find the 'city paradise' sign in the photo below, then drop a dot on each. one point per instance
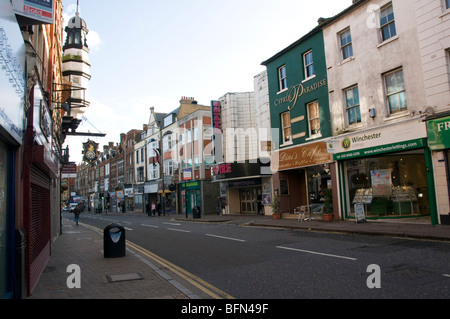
(297, 91)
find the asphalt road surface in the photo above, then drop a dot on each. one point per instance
(265, 263)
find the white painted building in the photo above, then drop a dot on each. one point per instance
(377, 105)
(433, 26)
(244, 174)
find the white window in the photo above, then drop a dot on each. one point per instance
(395, 91)
(308, 62)
(313, 118)
(168, 167)
(282, 78)
(345, 40)
(196, 161)
(167, 142)
(387, 23)
(189, 136)
(153, 171)
(195, 133)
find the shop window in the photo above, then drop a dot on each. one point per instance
(282, 78)
(387, 23)
(352, 105)
(313, 118)
(346, 44)
(308, 63)
(390, 186)
(286, 127)
(319, 179)
(395, 91)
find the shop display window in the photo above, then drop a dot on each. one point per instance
(388, 186)
(319, 179)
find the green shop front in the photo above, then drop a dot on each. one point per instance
(387, 171)
(439, 143)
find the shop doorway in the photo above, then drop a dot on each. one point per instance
(193, 198)
(249, 200)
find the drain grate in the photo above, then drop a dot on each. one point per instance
(124, 277)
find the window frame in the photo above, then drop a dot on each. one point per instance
(286, 126)
(388, 94)
(342, 47)
(307, 65)
(282, 79)
(382, 27)
(310, 119)
(353, 106)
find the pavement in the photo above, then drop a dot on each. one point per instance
(141, 275)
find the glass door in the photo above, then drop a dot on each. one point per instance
(249, 203)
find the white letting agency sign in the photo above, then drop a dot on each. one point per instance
(390, 138)
(12, 73)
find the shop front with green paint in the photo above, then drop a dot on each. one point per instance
(439, 144)
(387, 170)
(191, 196)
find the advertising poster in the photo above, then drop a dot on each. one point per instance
(381, 182)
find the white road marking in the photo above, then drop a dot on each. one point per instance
(173, 224)
(153, 226)
(229, 238)
(180, 230)
(446, 275)
(316, 253)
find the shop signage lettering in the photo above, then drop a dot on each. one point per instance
(297, 91)
(38, 10)
(383, 137)
(395, 147)
(221, 169)
(301, 156)
(216, 116)
(439, 133)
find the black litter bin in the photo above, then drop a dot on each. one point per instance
(114, 241)
(196, 212)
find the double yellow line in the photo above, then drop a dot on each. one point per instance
(207, 288)
(204, 286)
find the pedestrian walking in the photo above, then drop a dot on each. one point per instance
(148, 209)
(153, 208)
(77, 212)
(158, 208)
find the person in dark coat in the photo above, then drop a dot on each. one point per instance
(77, 212)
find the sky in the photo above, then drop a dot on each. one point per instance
(151, 53)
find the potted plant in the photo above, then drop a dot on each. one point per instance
(276, 207)
(328, 215)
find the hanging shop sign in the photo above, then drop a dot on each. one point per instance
(90, 152)
(39, 11)
(12, 73)
(439, 133)
(301, 156)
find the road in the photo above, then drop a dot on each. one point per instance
(265, 263)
